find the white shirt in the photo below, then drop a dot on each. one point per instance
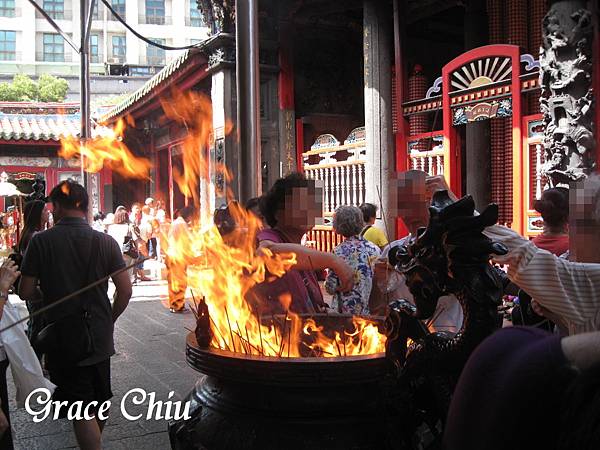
(568, 289)
(448, 315)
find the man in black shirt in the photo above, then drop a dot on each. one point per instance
(63, 259)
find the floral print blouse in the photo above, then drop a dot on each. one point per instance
(359, 254)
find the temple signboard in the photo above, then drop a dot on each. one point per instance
(482, 111)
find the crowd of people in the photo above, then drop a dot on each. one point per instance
(547, 377)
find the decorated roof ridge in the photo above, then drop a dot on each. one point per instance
(42, 104)
(42, 127)
(161, 77)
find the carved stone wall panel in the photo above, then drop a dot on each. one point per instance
(567, 99)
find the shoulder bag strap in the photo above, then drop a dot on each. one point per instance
(364, 230)
(90, 276)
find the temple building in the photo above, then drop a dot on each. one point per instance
(497, 95)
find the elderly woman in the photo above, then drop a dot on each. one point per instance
(290, 208)
(358, 253)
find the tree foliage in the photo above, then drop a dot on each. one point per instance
(47, 88)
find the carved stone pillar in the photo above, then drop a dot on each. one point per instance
(220, 14)
(380, 167)
(567, 97)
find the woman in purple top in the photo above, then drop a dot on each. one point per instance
(291, 208)
(523, 389)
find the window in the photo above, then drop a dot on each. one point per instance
(55, 8)
(119, 7)
(7, 8)
(118, 48)
(54, 47)
(8, 40)
(195, 17)
(96, 13)
(155, 12)
(155, 56)
(94, 55)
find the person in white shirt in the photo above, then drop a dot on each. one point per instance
(8, 275)
(567, 292)
(413, 201)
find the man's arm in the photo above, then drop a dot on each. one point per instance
(28, 288)
(568, 289)
(123, 294)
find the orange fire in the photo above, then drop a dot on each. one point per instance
(108, 150)
(223, 270)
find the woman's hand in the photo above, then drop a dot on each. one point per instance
(8, 274)
(344, 272)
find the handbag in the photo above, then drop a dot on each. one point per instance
(24, 364)
(129, 246)
(68, 339)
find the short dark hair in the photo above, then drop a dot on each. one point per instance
(69, 195)
(274, 200)
(554, 206)
(121, 217)
(369, 211)
(186, 212)
(252, 203)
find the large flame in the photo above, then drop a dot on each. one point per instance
(107, 149)
(223, 269)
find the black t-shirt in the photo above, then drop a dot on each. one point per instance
(59, 258)
(509, 393)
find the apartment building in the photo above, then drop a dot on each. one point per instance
(29, 44)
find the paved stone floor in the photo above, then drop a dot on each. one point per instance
(150, 345)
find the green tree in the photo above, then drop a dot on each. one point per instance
(23, 89)
(52, 89)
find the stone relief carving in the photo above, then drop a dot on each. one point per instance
(220, 14)
(567, 100)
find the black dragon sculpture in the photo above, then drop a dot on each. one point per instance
(450, 256)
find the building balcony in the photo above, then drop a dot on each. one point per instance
(155, 20)
(97, 59)
(193, 22)
(7, 57)
(152, 60)
(54, 57)
(116, 59)
(56, 15)
(10, 12)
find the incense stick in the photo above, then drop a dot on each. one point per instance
(71, 295)
(219, 331)
(289, 339)
(239, 333)
(262, 348)
(283, 334)
(230, 330)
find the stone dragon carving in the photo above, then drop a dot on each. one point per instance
(567, 100)
(451, 256)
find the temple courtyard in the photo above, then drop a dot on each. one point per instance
(150, 345)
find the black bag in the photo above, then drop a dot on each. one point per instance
(68, 339)
(129, 246)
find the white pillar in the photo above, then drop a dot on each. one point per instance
(133, 44)
(379, 169)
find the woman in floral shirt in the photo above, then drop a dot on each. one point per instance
(359, 254)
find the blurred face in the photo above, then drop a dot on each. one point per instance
(45, 216)
(584, 223)
(413, 198)
(302, 207)
(135, 209)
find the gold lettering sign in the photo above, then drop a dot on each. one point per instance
(481, 111)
